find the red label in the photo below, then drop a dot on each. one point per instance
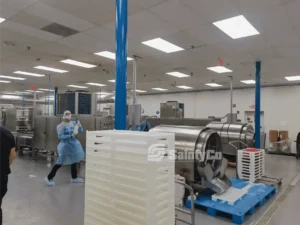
(33, 88)
(252, 106)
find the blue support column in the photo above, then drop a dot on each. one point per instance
(121, 65)
(257, 105)
(55, 100)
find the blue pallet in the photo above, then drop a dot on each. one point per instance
(256, 197)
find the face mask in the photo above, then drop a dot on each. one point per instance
(68, 117)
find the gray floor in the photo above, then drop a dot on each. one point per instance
(30, 202)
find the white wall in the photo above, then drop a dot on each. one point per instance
(280, 104)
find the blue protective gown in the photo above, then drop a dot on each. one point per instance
(69, 149)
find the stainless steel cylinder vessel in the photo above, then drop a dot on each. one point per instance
(191, 147)
(234, 134)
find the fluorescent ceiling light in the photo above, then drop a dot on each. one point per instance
(42, 89)
(293, 78)
(184, 87)
(76, 86)
(110, 55)
(51, 69)
(30, 74)
(2, 20)
(248, 81)
(12, 78)
(178, 74)
(162, 45)
(159, 89)
(10, 97)
(140, 91)
(236, 27)
(77, 63)
(219, 69)
(214, 85)
(5, 81)
(96, 84)
(114, 81)
(103, 93)
(33, 91)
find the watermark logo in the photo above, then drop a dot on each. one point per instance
(158, 152)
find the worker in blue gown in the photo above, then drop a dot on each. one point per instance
(70, 151)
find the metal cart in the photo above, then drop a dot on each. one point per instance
(185, 211)
(24, 143)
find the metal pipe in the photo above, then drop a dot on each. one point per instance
(231, 97)
(134, 92)
(55, 100)
(257, 105)
(49, 96)
(121, 64)
(34, 108)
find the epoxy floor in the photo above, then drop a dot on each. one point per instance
(30, 202)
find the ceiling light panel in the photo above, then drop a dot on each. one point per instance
(10, 97)
(178, 74)
(114, 81)
(96, 84)
(30, 74)
(42, 89)
(51, 69)
(248, 81)
(162, 45)
(76, 86)
(159, 89)
(2, 20)
(12, 78)
(140, 91)
(236, 27)
(5, 81)
(219, 69)
(31, 91)
(77, 63)
(293, 78)
(213, 85)
(184, 87)
(110, 55)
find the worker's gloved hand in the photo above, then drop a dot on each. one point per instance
(75, 133)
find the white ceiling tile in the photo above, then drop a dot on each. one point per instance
(58, 16)
(30, 20)
(30, 31)
(145, 3)
(212, 10)
(184, 40)
(290, 50)
(19, 4)
(178, 14)
(292, 10)
(7, 11)
(266, 53)
(253, 5)
(19, 38)
(269, 20)
(99, 11)
(285, 36)
(85, 43)
(152, 21)
(104, 34)
(208, 34)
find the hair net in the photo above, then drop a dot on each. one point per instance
(66, 112)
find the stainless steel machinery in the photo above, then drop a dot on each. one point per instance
(171, 109)
(199, 157)
(180, 121)
(233, 134)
